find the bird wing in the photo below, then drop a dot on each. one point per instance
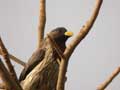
(35, 59)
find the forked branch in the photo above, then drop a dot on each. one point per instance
(10, 84)
(84, 30)
(7, 60)
(69, 50)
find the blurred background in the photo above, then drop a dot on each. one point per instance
(95, 57)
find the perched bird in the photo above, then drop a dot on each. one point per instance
(59, 35)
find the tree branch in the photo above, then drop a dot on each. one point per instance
(15, 59)
(84, 30)
(34, 76)
(7, 60)
(109, 79)
(10, 84)
(69, 50)
(42, 21)
(61, 75)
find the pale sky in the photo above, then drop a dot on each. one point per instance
(92, 61)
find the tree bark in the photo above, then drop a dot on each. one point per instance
(42, 21)
(10, 84)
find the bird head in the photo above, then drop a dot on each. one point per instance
(60, 35)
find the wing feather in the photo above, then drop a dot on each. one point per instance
(35, 59)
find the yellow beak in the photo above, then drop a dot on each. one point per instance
(68, 33)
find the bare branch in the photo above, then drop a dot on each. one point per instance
(42, 21)
(34, 76)
(61, 75)
(17, 60)
(10, 84)
(109, 79)
(7, 60)
(84, 31)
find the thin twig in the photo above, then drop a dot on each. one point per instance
(7, 60)
(17, 60)
(109, 79)
(42, 21)
(84, 31)
(10, 84)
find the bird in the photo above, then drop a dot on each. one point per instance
(60, 36)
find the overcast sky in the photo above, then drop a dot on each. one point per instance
(92, 61)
